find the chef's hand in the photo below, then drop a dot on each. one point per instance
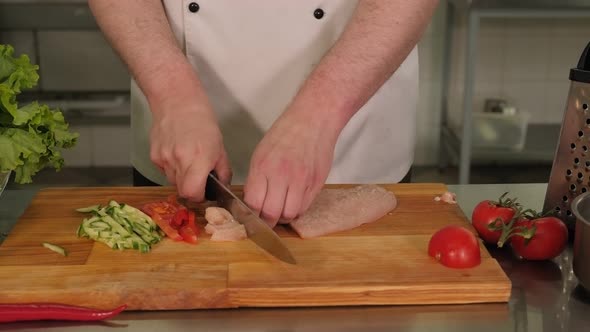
(289, 167)
(186, 144)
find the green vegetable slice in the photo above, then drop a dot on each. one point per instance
(31, 136)
(119, 226)
(91, 208)
(55, 248)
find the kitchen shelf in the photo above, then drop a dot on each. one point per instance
(539, 148)
(459, 145)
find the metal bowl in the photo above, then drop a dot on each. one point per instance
(4, 181)
(580, 207)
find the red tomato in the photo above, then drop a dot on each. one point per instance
(455, 246)
(549, 238)
(488, 213)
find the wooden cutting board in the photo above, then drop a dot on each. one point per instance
(385, 262)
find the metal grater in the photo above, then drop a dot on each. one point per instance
(570, 172)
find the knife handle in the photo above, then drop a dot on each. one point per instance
(210, 193)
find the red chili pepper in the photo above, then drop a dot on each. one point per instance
(53, 311)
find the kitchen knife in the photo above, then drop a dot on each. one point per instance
(258, 231)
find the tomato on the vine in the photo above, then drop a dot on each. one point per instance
(539, 238)
(488, 217)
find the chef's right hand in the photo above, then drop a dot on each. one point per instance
(186, 144)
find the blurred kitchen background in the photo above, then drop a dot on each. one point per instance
(504, 64)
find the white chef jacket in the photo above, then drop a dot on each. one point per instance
(252, 56)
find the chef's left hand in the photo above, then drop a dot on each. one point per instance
(289, 166)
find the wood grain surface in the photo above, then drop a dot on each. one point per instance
(382, 263)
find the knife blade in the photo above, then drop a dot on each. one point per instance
(258, 231)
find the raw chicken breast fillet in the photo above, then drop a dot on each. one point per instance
(336, 210)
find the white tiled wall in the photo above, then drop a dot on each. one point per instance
(524, 61)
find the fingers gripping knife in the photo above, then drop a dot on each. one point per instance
(570, 173)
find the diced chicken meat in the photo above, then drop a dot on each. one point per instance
(230, 234)
(222, 226)
(336, 210)
(447, 197)
(217, 215)
(212, 228)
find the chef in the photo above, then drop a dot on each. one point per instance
(281, 96)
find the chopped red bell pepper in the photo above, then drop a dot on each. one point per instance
(172, 199)
(166, 227)
(188, 235)
(191, 222)
(180, 218)
(174, 219)
(164, 209)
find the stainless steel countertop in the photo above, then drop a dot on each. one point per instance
(545, 295)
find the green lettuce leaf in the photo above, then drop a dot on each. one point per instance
(18, 73)
(7, 65)
(31, 136)
(22, 151)
(7, 100)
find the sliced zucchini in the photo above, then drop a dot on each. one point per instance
(90, 208)
(115, 225)
(125, 223)
(55, 248)
(144, 248)
(81, 232)
(90, 231)
(101, 225)
(138, 214)
(93, 219)
(120, 226)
